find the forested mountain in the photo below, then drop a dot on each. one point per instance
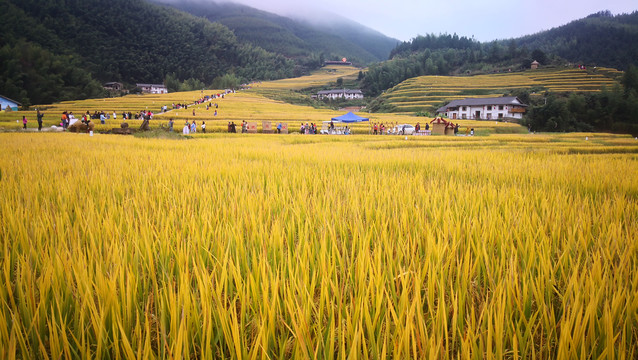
(598, 40)
(309, 43)
(52, 50)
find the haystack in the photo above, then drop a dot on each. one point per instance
(438, 125)
(79, 126)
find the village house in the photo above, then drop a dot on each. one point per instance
(153, 88)
(484, 108)
(7, 104)
(342, 62)
(113, 86)
(341, 93)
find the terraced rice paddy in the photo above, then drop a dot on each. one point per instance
(249, 105)
(264, 247)
(426, 93)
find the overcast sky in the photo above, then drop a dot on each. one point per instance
(486, 20)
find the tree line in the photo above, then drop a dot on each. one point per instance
(612, 109)
(598, 40)
(55, 50)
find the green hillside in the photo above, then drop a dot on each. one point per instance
(600, 40)
(53, 50)
(304, 41)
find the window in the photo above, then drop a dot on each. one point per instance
(463, 108)
(500, 107)
(489, 107)
(500, 115)
(463, 116)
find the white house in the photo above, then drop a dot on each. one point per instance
(342, 93)
(484, 108)
(6, 103)
(153, 88)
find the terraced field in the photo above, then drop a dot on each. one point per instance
(250, 105)
(319, 77)
(426, 93)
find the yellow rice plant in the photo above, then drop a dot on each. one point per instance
(262, 247)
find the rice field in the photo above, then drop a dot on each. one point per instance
(279, 247)
(248, 105)
(425, 93)
(236, 107)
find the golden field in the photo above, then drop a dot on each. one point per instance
(252, 104)
(243, 105)
(278, 247)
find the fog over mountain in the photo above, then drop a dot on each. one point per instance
(485, 20)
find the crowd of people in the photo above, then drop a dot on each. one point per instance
(68, 118)
(308, 129)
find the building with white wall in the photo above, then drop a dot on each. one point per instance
(153, 88)
(341, 93)
(484, 108)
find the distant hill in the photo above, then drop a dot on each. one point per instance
(330, 39)
(599, 40)
(52, 50)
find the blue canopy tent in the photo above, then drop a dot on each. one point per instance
(349, 118)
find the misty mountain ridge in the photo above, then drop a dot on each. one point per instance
(325, 35)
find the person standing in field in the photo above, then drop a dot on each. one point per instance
(186, 129)
(279, 128)
(102, 118)
(204, 127)
(24, 122)
(193, 127)
(40, 116)
(170, 124)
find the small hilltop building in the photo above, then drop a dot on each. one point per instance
(113, 86)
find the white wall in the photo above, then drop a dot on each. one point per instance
(485, 114)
